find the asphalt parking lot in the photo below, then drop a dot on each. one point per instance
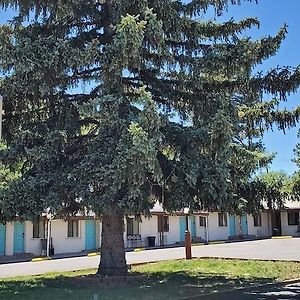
(271, 249)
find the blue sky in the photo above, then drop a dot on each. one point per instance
(272, 14)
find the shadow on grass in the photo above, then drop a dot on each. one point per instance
(159, 285)
(206, 280)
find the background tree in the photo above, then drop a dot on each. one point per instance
(113, 146)
(267, 191)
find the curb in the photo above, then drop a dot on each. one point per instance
(216, 258)
(37, 259)
(93, 254)
(139, 249)
(262, 285)
(246, 259)
(216, 242)
(281, 237)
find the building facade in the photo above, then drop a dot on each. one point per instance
(81, 233)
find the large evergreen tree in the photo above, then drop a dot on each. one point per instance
(296, 176)
(91, 89)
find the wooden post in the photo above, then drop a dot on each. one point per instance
(188, 241)
(188, 245)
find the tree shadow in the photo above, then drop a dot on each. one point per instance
(181, 284)
(159, 285)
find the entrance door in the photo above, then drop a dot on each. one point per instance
(276, 224)
(90, 234)
(18, 237)
(193, 226)
(232, 225)
(182, 227)
(2, 239)
(244, 225)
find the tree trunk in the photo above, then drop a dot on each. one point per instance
(112, 259)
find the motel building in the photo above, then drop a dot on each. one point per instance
(83, 233)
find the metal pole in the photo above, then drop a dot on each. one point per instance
(48, 238)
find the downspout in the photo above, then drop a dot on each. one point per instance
(48, 235)
(206, 225)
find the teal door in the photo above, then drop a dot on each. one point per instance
(90, 234)
(182, 228)
(244, 225)
(193, 226)
(18, 237)
(2, 239)
(232, 227)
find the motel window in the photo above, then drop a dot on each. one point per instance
(293, 218)
(163, 223)
(222, 219)
(202, 221)
(133, 226)
(38, 231)
(257, 220)
(73, 228)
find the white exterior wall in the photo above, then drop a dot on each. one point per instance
(173, 236)
(149, 227)
(9, 244)
(64, 244)
(200, 230)
(98, 233)
(260, 231)
(32, 245)
(217, 232)
(285, 227)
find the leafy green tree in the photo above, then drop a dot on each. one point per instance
(91, 89)
(269, 191)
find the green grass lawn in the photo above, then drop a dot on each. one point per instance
(167, 280)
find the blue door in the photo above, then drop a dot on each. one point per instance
(90, 234)
(244, 225)
(18, 237)
(232, 226)
(193, 226)
(2, 239)
(182, 227)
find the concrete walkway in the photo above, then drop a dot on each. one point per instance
(281, 249)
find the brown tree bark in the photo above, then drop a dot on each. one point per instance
(112, 259)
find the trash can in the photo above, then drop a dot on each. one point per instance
(151, 241)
